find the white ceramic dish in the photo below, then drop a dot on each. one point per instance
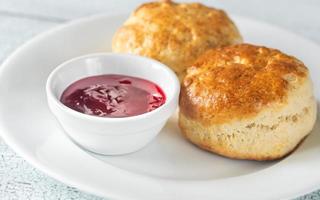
(169, 167)
(111, 136)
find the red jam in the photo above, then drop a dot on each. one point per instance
(113, 96)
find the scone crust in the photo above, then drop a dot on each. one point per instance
(247, 102)
(237, 82)
(175, 33)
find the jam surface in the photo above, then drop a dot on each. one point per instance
(113, 95)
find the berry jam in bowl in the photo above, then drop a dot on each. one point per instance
(112, 104)
(112, 95)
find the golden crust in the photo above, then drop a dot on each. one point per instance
(175, 34)
(238, 81)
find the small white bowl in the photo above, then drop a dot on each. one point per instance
(112, 136)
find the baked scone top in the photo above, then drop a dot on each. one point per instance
(175, 33)
(238, 81)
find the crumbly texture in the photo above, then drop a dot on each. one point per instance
(247, 102)
(175, 33)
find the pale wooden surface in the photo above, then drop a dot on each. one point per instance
(20, 20)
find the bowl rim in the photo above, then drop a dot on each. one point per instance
(169, 101)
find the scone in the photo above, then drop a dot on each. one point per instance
(175, 33)
(247, 102)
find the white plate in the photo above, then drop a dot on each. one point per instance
(168, 168)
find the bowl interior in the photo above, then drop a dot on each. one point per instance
(98, 64)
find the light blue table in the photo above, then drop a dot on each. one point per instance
(22, 19)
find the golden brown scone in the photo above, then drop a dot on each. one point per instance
(175, 33)
(247, 102)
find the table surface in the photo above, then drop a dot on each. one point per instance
(20, 20)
